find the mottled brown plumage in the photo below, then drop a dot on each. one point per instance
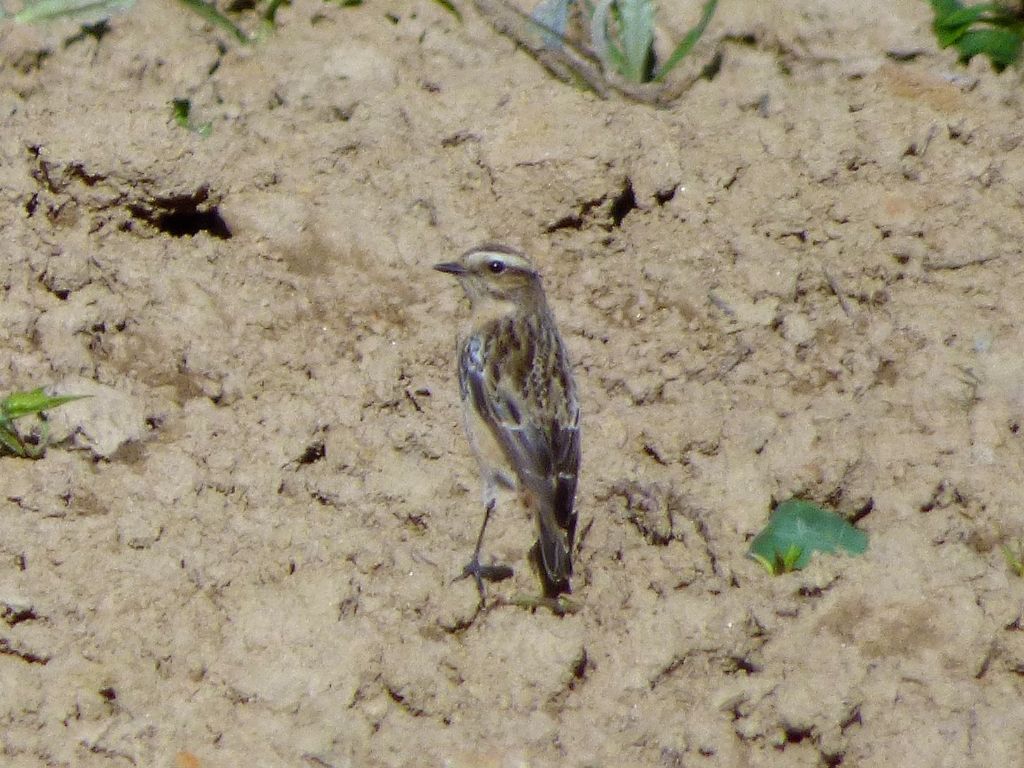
(519, 403)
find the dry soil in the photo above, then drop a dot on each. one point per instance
(803, 277)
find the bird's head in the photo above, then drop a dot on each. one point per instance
(496, 273)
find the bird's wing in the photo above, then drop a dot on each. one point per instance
(545, 456)
(525, 443)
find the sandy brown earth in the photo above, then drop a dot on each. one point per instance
(801, 278)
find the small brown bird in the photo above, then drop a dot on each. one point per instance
(519, 406)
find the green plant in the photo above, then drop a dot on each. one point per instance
(94, 11)
(797, 529)
(448, 5)
(1015, 557)
(988, 29)
(621, 34)
(782, 562)
(209, 12)
(18, 405)
(181, 112)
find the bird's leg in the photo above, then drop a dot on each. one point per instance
(480, 572)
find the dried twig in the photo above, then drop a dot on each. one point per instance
(838, 291)
(970, 261)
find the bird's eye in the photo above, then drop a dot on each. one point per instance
(496, 267)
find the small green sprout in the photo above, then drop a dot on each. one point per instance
(18, 405)
(782, 562)
(448, 5)
(621, 34)
(988, 29)
(1015, 557)
(209, 12)
(796, 529)
(181, 112)
(270, 14)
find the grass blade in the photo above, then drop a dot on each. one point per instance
(19, 404)
(449, 6)
(553, 15)
(81, 10)
(1015, 559)
(218, 19)
(687, 43)
(636, 36)
(11, 443)
(600, 39)
(270, 14)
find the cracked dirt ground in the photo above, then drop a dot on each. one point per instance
(804, 278)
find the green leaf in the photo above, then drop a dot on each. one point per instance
(943, 8)
(988, 29)
(796, 530)
(1002, 46)
(10, 442)
(553, 16)
(81, 10)
(964, 17)
(948, 37)
(688, 41)
(636, 37)
(19, 404)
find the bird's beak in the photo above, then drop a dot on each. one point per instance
(451, 267)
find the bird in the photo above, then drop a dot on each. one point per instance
(520, 408)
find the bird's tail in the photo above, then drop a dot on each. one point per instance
(554, 555)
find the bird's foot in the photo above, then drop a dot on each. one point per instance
(481, 573)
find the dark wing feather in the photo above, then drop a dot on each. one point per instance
(556, 545)
(567, 466)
